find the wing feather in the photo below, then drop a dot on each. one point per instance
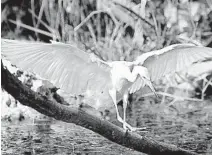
(175, 59)
(66, 66)
(138, 84)
(169, 60)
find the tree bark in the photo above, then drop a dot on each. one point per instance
(85, 117)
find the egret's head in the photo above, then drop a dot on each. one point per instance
(147, 80)
(150, 85)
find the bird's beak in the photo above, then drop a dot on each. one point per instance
(149, 83)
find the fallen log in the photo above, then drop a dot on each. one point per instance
(86, 117)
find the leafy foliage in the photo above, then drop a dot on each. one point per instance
(115, 30)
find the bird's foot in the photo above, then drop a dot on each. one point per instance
(128, 127)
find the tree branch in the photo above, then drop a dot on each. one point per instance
(85, 117)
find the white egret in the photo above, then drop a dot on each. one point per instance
(100, 83)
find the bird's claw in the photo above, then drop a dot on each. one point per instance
(128, 127)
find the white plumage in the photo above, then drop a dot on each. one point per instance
(101, 83)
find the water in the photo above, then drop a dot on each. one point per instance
(190, 128)
(58, 138)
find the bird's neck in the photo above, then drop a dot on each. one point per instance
(139, 70)
(134, 73)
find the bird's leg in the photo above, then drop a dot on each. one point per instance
(126, 126)
(112, 93)
(125, 101)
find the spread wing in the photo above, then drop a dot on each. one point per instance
(168, 60)
(66, 66)
(173, 58)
